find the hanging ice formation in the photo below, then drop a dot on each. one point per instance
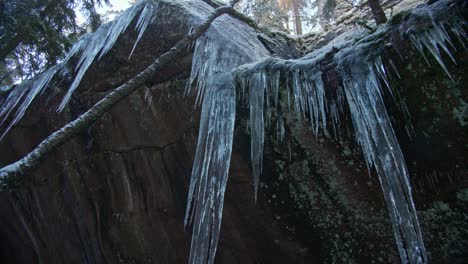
(226, 45)
(362, 72)
(229, 52)
(88, 49)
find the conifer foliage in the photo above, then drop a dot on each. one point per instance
(35, 34)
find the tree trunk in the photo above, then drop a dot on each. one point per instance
(297, 18)
(377, 12)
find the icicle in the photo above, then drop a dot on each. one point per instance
(101, 41)
(457, 29)
(431, 44)
(394, 68)
(256, 100)
(375, 135)
(274, 84)
(89, 46)
(225, 46)
(435, 38)
(143, 22)
(211, 168)
(321, 103)
(299, 97)
(309, 98)
(382, 72)
(22, 96)
(280, 130)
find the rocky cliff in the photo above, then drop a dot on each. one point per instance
(117, 192)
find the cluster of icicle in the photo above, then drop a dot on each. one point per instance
(362, 74)
(226, 45)
(221, 58)
(88, 49)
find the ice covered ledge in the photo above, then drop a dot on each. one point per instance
(364, 66)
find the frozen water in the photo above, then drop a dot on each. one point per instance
(226, 45)
(229, 52)
(101, 41)
(362, 72)
(258, 85)
(89, 48)
(211, 168)
(22, 96)
(375, 135)
(143, 22)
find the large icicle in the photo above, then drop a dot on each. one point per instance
(211, 168)
(258, 84)
(226, 45)
(375, 135)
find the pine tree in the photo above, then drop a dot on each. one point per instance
(377, 12)
(295, 6)
(267, 13)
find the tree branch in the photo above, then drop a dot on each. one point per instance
(10, 173)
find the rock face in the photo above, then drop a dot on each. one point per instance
(117, 193)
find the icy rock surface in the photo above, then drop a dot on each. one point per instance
(362, 73)
(230, 53)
